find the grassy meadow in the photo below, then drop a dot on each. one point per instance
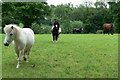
(74, 56)
(0, 56)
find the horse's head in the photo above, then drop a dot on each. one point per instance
(82, 28)
(9, 31)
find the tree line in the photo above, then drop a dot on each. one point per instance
(39, 16)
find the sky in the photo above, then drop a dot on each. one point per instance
(74, 2)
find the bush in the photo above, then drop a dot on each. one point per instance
(41, 29)
(68, 26)
(76, 24)
(21, 25)
(7, 20)
(36, 28)
(117, 25)
(89, 28)
(45, 29)
(99, 32)
(0, 30)
(65, 27)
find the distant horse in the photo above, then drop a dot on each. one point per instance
(77, 30)
(108, 28)
(23, 40)
(56, 30)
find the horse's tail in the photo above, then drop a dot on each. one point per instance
(112, 27)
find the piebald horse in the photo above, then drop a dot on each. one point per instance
(56, 30)
(23, 39)
(77, 30)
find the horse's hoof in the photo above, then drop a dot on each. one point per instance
(33, 65)
(17, 66)
(25, 59)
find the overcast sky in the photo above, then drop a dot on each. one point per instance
(74, 2)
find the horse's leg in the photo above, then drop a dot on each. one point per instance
(112, 32)
(108, 32)
(19, 59)
(24, 56)
(80, 32)
(27, 54)
(104, 32)
(16, 50)
(56, 38)
(53, 36)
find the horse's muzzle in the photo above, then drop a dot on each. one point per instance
(6, 44)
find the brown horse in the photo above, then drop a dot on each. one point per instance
(108, 28)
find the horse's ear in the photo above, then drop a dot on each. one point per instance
(12, 27)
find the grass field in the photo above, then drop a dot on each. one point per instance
(74, 56)
(0, 56)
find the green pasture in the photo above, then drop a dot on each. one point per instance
(74, 56)
(0, 56)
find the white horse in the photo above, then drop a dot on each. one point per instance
(23, 40)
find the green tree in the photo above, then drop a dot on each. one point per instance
(66, 27)
(115, 10)
(9, 13)
(100, 4)
(26, 13)
(62, 12)
(78, 13)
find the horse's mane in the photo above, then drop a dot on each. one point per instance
(16, 28)
(56, 23)
(14, 25)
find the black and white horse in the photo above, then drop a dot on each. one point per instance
(77, 30)
(56, 30)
